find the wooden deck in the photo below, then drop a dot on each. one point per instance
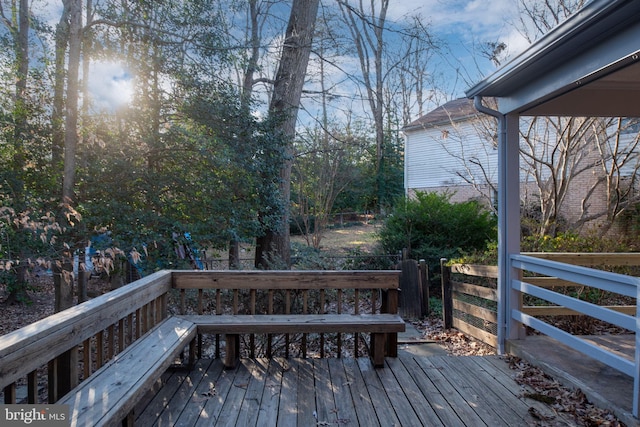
(409, 391)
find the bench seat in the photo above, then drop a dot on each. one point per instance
(109, 395)
(378, 325)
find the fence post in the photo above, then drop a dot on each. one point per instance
(390, 305)
(410, 290)
(83, 279)
(63, 370)
(447, 297)
(424, 280)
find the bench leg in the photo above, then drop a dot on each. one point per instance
(392, 344)
(128, 420)
(378, 343)
(232, 350)
(192, 353)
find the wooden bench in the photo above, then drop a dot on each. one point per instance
(101, 356)
(293, 302)
(110, 394)
(378, 325)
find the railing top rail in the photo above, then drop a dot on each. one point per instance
(286, 279)
(489, 271)
(613, 282)
(591, 258)
(28, 348)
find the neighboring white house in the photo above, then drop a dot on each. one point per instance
(452, 148)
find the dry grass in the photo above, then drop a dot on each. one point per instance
(340, 240)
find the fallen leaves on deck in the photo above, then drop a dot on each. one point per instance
(572, 406)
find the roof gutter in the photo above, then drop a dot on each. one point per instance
(578, 32)
(477, 103)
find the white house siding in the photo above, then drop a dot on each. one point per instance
(435, 157)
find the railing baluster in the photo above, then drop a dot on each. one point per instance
(129, 339)
(200, 300)
(321, 310)
(138, 323)
(339, 336)
(252, 337)
(111, 343)
(10, 394)
(287, 310)
(99, 349)
(305, 310)
(86, 357)
(356, 336)
(269, 336)
(218, 312)
(121, 335)
(32, 387)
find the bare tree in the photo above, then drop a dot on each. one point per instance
(573, 146)
(556, 152)
(367, 29)
(616, 142)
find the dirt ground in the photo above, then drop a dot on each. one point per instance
(339, 240)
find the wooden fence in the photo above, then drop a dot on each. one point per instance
(470, 296)
(471, 306)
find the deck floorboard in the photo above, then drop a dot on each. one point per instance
(409, 391)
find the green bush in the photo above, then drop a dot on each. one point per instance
(431, 226)
(571, 241)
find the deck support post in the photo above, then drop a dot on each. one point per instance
(508, 226)
(378, 344)
(390, 305)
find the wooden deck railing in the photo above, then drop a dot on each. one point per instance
(531, 268)
(55, 354)
(288, 292)
(65, 348)
(470, 291)
(554, 282)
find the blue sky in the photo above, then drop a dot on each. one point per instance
(461, 23)
(464, 24)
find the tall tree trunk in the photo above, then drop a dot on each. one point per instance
(71, 117)
(273, 249)
(57, 114)
(21, 39)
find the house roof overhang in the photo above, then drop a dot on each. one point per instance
(588, 66)
(453, 111)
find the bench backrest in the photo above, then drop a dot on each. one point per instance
(95, 330)
(290, 291)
